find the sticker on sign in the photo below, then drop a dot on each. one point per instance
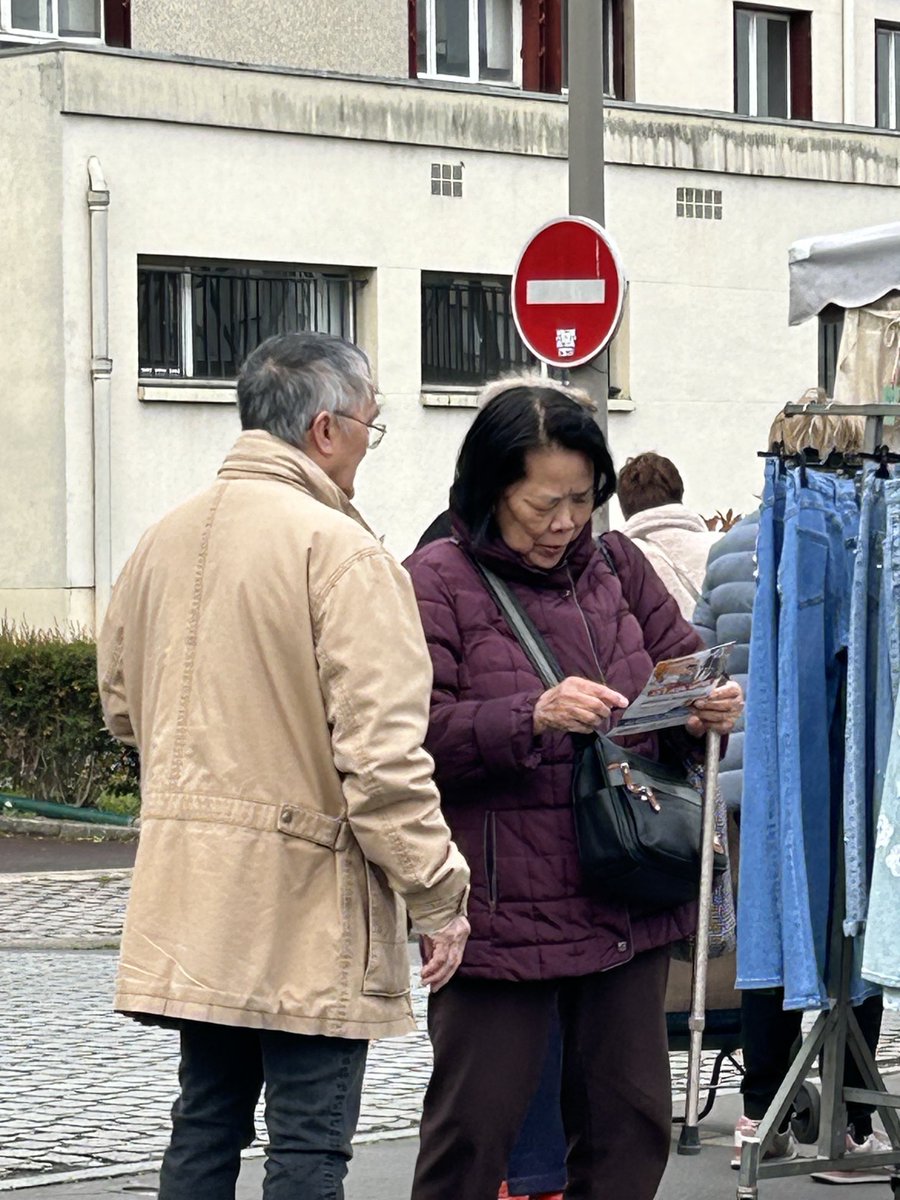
(568, 291)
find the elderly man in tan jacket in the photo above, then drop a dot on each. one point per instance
(264, 653)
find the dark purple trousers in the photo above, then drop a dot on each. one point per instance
(490, 1042)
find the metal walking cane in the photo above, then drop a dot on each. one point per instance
(689, 1141)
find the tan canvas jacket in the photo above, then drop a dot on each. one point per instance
(265, 654)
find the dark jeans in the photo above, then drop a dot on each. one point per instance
(490, 1042)
(313, 1087)
(537, 1162)
(768, 1034)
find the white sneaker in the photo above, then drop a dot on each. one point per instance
(782, 1149)
(875, 1143)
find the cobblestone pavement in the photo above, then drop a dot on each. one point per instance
(85, 1090)
(77, 909)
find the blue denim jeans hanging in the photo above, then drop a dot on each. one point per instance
(759, 960)
(820, 526)
(881, 959)
(887, 680)
(862, 710)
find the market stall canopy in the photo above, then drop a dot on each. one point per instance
(849, 269)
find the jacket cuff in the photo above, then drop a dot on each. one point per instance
(431, 915)
(504, 733)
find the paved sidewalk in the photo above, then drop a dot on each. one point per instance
(383, 1171)
(86, 1091)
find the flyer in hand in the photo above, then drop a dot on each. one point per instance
(671, 690)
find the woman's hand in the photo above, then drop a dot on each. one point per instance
(718, 712)
(576, 706)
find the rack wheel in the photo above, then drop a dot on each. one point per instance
(805, 1121)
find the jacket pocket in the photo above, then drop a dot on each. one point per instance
(490, 859)
(387, 958)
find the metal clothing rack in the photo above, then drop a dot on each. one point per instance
(836, 1029)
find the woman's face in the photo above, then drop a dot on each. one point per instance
(543, 512)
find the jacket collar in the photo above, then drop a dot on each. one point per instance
(663, 519)
(259, 455)
(499, 558)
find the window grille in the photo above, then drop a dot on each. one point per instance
(704, 204)
(446, 179)
(468, 332)
(201, 321)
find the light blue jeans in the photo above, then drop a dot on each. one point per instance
(759, 960)
(881, 960)
(820, 527)
(863, 713)
(888, 654)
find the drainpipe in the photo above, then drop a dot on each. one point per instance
(101, 382)
(849, 61)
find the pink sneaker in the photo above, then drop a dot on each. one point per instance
(875, 1143)
(782, 1149)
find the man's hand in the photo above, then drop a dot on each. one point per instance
(576, 706)
(443, 953)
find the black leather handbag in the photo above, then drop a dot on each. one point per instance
(638, 822)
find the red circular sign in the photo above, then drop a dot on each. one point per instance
(568, 291)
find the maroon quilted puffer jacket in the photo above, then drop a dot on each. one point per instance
(506, 793)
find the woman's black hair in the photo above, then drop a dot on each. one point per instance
(520, 418)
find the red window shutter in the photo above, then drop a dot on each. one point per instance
(542, 45)
(531, 45)
(551, 59)
(117, 22)
(801, 66)
(413, 41)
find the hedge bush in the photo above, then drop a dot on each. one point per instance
(53, 744)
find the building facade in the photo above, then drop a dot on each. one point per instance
(180, 181)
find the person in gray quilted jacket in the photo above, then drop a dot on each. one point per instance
(723, 614)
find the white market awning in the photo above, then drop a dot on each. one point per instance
(849, 269)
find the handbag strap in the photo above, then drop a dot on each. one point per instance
(539, 653)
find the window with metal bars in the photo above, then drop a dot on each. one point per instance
(468, 332)
(201, 320)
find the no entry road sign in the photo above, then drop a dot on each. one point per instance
(568, 291)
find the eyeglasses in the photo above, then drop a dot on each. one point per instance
(376, 432)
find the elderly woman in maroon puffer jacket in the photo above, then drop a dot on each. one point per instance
(531, 471)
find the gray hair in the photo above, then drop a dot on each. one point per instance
(285, 382)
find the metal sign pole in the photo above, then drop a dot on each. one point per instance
(586, 159)
(689, 1140)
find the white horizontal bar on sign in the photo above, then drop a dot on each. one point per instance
(565, 291)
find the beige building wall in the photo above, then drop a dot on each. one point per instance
(356, 37)
(684, 54)
(290, 168)
(34, 576)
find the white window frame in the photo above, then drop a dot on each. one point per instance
(9, 34)
(892, 81)
(753, 67)
(431, 71)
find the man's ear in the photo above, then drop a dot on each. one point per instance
(320, 435)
